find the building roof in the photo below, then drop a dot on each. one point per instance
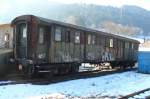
(4, 25)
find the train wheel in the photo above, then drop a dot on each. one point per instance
(49, 75)
(30, 71)
(67, 70)
(122, 67)
(74, 68)
(132, 64)
(62, 71)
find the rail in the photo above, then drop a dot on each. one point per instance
(132, 95)
(19, 79)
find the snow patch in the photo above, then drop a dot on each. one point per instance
(5, 82)
(50, 96)
(144, 49)
(115, 85)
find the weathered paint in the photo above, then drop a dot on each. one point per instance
(62, 51)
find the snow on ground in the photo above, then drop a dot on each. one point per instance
(115, 85)
(5, 82)
(144, 49)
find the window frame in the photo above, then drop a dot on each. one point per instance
(89, 39)
(111, 42)
(23, 30)
(6, 37)
(18, 29)
(132, 46)
(93, 40)
(77, 40)
(43, 35)
(58, 34)
(127, 45)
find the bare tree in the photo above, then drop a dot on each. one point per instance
(71, 19)
(115, 28)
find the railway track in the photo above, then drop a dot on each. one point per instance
(19, 78)
(142, 94)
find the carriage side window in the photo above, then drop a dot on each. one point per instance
(41, 35)
(89, 39)
(93, 39)
(23, 30)
(111, 43)
(6, 37)
(126, 45)
(132, 46)
(77, 37)
(58, 34)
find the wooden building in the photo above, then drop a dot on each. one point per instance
(6, 36)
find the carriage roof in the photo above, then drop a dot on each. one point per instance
(50, 22)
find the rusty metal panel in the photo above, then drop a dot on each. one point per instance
(33, 38)
(68, 52)
(77, 50)
(98, 53)
(65, 52)
(126, 51)
(52, 45)
(90, 55)
(130, 51)
(120, 50)
(82, 38)
(114, 43)
(82, 52)
(71, 50)
(107, 41)
(57, 58)
(72, 36)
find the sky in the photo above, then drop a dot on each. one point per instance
(9, 6)
(6, 4)
(117, 3)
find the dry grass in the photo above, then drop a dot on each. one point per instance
(146, 44)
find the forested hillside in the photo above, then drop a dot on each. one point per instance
(127, 20)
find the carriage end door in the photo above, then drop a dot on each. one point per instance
(21, 40)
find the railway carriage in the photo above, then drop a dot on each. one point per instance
(43, 45)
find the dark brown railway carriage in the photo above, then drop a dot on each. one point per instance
(43, 45)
